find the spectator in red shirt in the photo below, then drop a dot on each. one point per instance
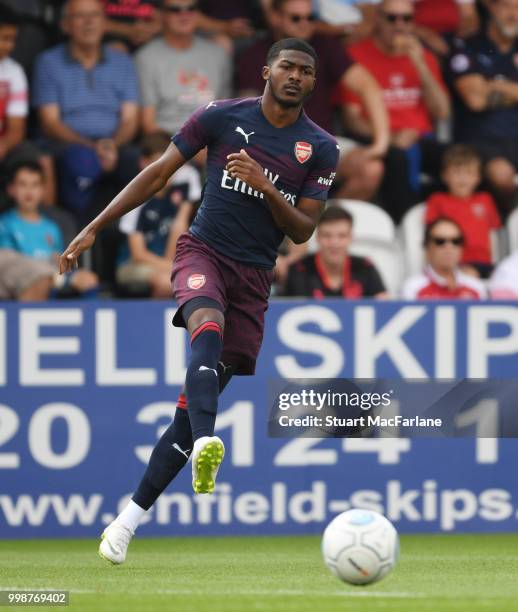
(361, 168)
(131, 23)
(442, 277)
(438, 21)
(332, 272)
(415, 96)
(475, 212)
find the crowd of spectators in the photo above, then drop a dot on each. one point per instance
(422, 96)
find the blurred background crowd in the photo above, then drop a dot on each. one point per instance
(422, 96)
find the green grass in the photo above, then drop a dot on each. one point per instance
(447, 572)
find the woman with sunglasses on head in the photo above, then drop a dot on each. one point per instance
(442, 277)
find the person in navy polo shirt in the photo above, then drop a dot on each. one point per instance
(87, 100)
(269, 170)
(483, 71)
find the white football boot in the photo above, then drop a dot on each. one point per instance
(114, 543)
(207, 455)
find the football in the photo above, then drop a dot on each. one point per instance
(360, 546)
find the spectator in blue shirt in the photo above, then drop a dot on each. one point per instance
(26, 231)
(87, 100)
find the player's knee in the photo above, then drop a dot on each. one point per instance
(201, 316)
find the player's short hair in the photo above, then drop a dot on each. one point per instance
(290, 44)
(460, 155)
(154, 144)
(430, 227)
(335, 213)
(8, 17)
(30, 166)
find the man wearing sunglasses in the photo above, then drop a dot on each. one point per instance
(179, 71)
(442, 278)
(415, 97)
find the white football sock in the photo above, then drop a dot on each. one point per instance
(131, 515)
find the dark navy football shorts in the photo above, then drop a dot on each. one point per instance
(241, 291)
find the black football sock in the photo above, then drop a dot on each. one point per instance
(225, 373)
(202, 380)
(165, 463)
(168, 457)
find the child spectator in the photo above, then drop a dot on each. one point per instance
(442, 278)
(147, 256)
(26, 231)
(475, 212)
(331, 271)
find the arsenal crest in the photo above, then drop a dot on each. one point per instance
(303, 151)
(196, 281)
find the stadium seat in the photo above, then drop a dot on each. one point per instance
(412, 233)
(370, 222)
(499, 244)
(512, 230)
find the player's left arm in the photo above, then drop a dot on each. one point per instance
(298, 223)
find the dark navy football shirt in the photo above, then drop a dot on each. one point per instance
(299, 159)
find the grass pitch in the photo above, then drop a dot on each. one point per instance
(446, 572)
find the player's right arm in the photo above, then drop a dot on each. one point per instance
(152, 179)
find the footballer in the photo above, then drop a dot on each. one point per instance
(269, 170)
